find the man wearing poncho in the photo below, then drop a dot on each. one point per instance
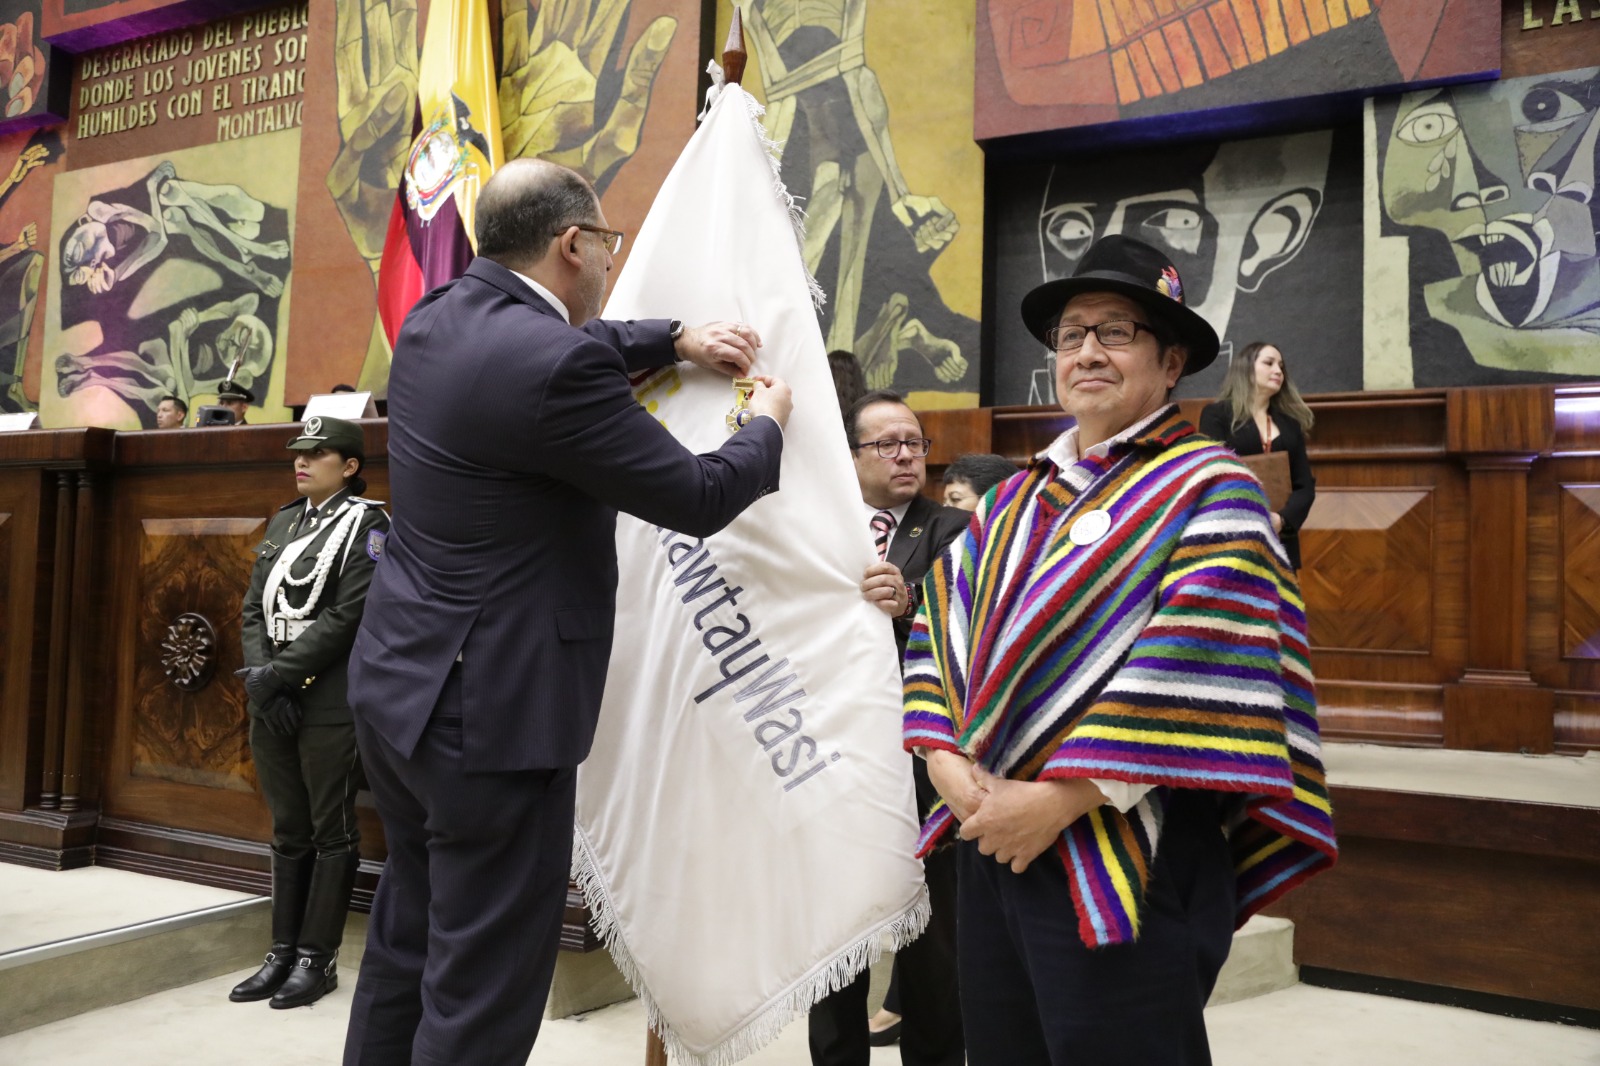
(1109, 677)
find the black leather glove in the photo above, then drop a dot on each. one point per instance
(281, 715)
(261, 683)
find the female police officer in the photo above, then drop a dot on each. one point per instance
(306, 595)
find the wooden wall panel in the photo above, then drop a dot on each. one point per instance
(15, 615)
(192, 572)
(177, 758)
(1580, 571)
(1368, 568)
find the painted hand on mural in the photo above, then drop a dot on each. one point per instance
(22, 65)
(202, 367)
(375, 61)
(32, 157)
(27, 237)
(553, 63)
(931, 223)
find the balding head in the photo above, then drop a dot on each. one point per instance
(524, 205)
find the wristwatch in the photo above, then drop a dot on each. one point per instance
(675, 331)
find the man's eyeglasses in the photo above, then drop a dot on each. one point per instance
(1118, 333)
(890, 449)
(611, 238)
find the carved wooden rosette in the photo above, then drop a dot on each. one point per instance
(189, 652)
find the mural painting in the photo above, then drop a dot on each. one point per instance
(1265, 234)
(578, 86)
(878, 153)
(1048, 64)
(21, 262)
(1484, 197)
(170, 271)
(34, 89)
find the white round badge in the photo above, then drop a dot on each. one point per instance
(1089, 527)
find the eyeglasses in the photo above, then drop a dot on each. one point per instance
(611, 238)
(1118, 333)
(890, 449)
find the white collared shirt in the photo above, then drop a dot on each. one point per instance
(1063, 451)
(547, 296)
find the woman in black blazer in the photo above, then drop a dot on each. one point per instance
(1259, 411)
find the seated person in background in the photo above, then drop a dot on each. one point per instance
(236, 398)
(1260, 411)
(171, 413)
(341, 387)
(971, 476)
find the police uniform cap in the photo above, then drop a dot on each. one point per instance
(335, 434)
(231, 390)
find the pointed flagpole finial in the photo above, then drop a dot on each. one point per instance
(733, 53)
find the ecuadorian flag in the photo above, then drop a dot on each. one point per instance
(456, 149)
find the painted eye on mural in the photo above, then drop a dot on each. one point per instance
(1428, 124)
(1176, 227)
(1546, 108)
(1069, 228)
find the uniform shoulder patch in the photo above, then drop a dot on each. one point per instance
(369, 503)
(375, 539)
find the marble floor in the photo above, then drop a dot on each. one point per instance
(197, 1026)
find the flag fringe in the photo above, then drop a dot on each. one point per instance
(764, 1026)
(774, 150)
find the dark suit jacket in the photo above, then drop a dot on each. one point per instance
(1246, 440)
(314, 664)
(927, 529)
(921, 537)
(514, 439)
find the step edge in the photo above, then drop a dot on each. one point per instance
(136, 931)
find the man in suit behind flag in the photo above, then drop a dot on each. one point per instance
(455, 151)
(909, 532)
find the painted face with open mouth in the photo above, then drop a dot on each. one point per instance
(1519, 262)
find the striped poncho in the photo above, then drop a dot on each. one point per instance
(1171, 651)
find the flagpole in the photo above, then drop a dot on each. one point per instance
(733, 60)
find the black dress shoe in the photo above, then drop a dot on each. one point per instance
(885, 1037)
(313, 977)
(267, 980)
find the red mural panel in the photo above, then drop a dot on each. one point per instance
(1052, 64)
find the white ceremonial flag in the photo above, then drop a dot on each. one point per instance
(746, 825)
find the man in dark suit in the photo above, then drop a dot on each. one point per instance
(514, 439)
(910, 532)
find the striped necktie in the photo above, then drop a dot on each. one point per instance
(882, 526)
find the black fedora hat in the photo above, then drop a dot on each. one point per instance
(1133, 269)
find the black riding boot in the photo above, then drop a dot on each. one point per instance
(291, 880)
(316, 966)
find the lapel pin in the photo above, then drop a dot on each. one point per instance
(1089, 527)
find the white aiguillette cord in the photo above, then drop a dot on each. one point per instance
(345, 522)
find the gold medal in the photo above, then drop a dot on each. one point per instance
(741, 414)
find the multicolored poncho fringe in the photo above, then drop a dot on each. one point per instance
(1171, 651)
